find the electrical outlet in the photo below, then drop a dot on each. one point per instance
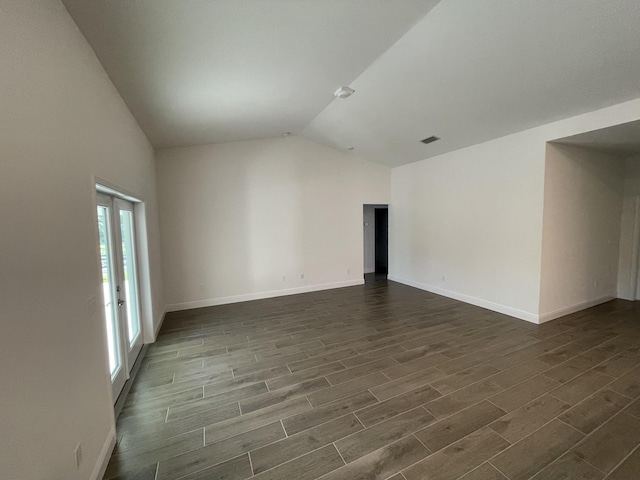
(91, 305)
(348, 271)
(444, 278)
(78, 453)
(595, 284)
(302, 276)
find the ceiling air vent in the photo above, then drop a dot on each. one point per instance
(430, 139)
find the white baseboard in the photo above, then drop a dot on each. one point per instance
(105, 456)
(211, 302)
(561, 312)
(156, 329)
(479, 302)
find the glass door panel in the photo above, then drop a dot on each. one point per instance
(128, 282)
(117, 237)
(130, 277)
(117, 366)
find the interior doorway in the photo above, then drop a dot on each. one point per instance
(382, 240)
(376, 240)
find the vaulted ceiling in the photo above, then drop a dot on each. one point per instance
(208, 71)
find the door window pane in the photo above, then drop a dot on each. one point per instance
(108, 277)
(130, 278)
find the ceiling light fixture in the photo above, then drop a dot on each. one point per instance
(349, 148)
(286, 134)
(344, 92)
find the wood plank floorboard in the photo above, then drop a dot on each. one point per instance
(384, 382)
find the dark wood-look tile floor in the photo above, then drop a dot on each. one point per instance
(384, 381)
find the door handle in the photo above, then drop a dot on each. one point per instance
(120, 302)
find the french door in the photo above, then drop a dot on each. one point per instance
(116, 229)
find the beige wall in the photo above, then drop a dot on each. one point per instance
(61, 122)
(238, 217)
(581, 229)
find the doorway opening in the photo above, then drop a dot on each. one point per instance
(376, 241)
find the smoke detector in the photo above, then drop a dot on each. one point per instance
(344, 92)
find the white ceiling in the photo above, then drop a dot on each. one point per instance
(205, 71)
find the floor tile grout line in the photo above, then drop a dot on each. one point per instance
(182, 477)
(253, 473)
(508, 442)
(505, 412)
(413, 434)
(472, 470)
(599, 390)
(461, 438)
(438, 420)
(327, 444)
(532, 433)
(584, 460)
(443, 448)
(557, 417)
(374, 396)
(625, 410)
(599, 427)
(339, 453)
(526, 403)
(363, 426)
(637, 448)
(290, 459)
(622, 394)
(504, 474)
(226, 459)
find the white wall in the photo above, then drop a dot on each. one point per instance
(61, 121)
(235, 218)
(475, 215)
(369, 231)
(581, 229)
(629, 265)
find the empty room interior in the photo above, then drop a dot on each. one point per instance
(320, 239)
